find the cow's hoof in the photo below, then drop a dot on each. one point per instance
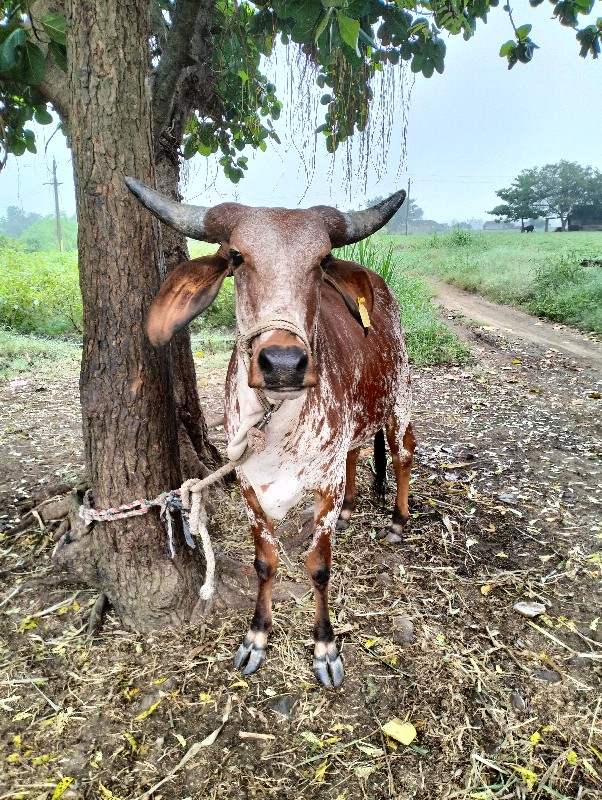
(251, 653)
(392, 534)
(342, 524)
(328, 667)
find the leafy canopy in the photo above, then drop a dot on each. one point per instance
(549, 191)
(347, 41)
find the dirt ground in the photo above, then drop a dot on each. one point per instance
(506, 506)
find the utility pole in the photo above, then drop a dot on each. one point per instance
(408, 205)
(57, 213)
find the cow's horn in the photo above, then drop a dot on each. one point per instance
(187, 219)
(361, 224)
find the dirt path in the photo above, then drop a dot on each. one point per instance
(516, 325)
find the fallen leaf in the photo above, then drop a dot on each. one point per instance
(321, 771)
(148, 711)
(61, 788)
(403, 732)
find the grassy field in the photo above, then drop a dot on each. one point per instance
(549, 275)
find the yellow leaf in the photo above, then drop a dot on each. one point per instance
(572, 757)
(596, 752)
(205, 698)
(516, 361)
(242, 684)
(13, 758)
(61, 787)
(28, 624)
(501, 555)
(526, 776)
(76, 607)
(487, 589)
(180, 739)
(403, 732)
(62, 610)
(340, 726)
(200, 354)
(321, 771)
(535, 737)
(131, 741)
(39, 760)
(585, 763)
(370, 643)
(148, 711)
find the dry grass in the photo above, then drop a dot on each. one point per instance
(505, 507)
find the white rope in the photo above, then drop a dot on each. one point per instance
(194, 499)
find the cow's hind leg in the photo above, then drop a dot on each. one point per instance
(402, 445)
(252, 651)
(349, 499)
(328, 666)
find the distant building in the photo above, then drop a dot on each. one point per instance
(585, 218)
(496, 225)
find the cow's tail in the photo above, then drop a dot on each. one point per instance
(380, 466)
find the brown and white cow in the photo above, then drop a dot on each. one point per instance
(324, 372)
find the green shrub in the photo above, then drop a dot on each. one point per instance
(40, 293)
(41, 235)
(566, 291)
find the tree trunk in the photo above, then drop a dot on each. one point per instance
(129, 417)
(198, 455)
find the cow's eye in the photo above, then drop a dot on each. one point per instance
(326, 261)
(236, 258)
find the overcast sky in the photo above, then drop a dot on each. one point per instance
(470, 132)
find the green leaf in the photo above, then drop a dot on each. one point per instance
(54, 25)
(10, 51)
(59, 53)
(35, 64)
(42, 116)
(507, 48)
(523, 32)
(349, 30)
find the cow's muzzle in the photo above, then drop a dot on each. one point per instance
(278, 361)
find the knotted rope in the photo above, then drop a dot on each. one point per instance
(189, 500)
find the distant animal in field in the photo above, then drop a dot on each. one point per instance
(573, 228)
(528, 228)
(558, 230)
(320, 364)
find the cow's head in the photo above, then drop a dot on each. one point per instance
(279, 259)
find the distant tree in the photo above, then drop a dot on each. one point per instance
(16, 221)
(550, 192)
(521, 200)
(42, 234)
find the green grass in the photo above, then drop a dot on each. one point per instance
(22, 355)
(428, 339)
(41, 297)
(40, 293)
(538, 272)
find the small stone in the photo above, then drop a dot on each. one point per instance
(392, 538)
(548, 675)
(581, 662)
(403, 630)
(529, 609)
(508, 497)
(283, 705)
(518, 699)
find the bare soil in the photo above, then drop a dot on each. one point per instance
(506, 506)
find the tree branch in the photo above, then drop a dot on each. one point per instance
(178, 61)
(54, 87)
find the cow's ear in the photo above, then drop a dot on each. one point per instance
(187, 292)
(353, 283)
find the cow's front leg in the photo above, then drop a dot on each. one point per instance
(328, 666)
(251, 653)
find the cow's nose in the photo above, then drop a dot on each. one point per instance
(282, 366)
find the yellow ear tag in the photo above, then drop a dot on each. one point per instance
(364, 316)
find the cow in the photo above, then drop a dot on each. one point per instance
(528, 228)
(319, 365)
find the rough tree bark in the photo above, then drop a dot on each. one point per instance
(129, 420)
